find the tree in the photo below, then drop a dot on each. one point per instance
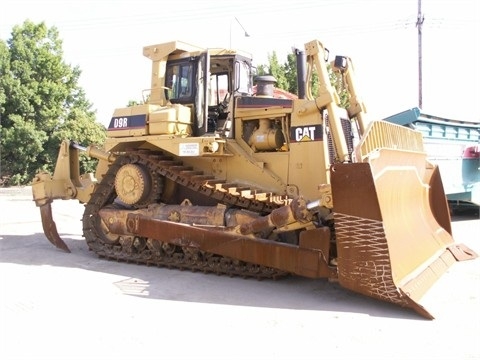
(21, 143)
(4, 70)
(290, 68)
(41, 104)
(286, 76)
(275, 69)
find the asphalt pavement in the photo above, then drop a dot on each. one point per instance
(56, 305)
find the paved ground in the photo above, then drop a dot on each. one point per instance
(55, 305)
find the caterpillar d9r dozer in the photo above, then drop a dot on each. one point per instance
(209, 176)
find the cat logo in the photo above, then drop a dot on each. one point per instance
(306, 133)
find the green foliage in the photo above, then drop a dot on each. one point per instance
(41, 104)
(134, 103)
(4, 70)
(275, 69)
(338, 82)
(79, 127)
(290, 68)
(20, 144)
(278, 71)
(286, 75)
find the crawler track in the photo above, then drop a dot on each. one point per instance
(157, 253)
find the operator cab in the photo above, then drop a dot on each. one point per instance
(227, 76)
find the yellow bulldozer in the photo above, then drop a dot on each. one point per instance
(210, 175)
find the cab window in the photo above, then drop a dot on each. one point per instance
(243, 83)
(179, 81)
(218, 88)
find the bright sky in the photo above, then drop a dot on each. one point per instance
(105, 39)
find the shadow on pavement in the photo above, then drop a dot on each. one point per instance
(170, 284)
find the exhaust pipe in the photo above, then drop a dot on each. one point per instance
(301, 72)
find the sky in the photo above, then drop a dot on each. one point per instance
(105, 38)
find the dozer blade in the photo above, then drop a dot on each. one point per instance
(50, 229)
(393, 232)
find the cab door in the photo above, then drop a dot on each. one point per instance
(201, 99)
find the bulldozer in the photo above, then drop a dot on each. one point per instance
(209, 175)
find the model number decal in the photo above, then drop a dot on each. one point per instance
(120, 122)
(128, 122)
(306, 133)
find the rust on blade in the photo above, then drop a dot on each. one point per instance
(438, 203)
(50, 229)
(393, 233)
